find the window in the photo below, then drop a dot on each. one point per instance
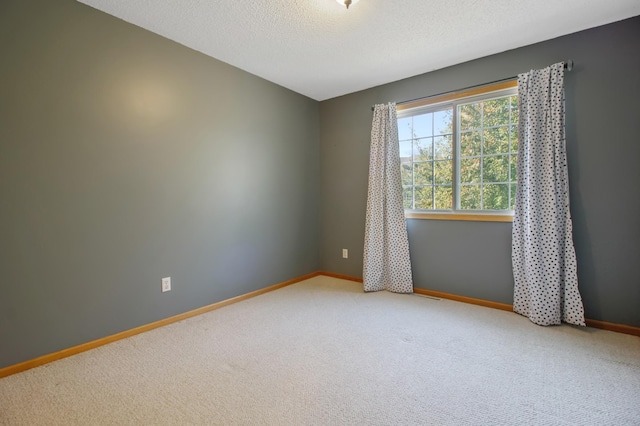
(458, 153)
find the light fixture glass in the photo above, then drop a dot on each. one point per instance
(347, 2)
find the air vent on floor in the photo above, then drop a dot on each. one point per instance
(428, 297)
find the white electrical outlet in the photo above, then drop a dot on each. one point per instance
(166, 284)
(345, 253)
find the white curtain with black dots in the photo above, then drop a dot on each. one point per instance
(387, 265)
(543, 256)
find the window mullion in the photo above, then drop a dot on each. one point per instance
(413, 170)
(433, 162)
(455, 161)
(509, 156)
(481, 130)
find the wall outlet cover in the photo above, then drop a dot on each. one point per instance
(166, 284)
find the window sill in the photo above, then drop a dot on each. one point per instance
(459, 216)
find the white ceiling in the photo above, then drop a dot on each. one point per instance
(321, 50)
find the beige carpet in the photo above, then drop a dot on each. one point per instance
(321, 352)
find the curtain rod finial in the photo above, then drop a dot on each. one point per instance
(569, 65)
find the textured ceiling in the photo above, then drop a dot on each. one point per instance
(321, 50)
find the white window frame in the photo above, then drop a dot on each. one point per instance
(452, 100)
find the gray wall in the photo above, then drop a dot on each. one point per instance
(124, 158)
(471, 258)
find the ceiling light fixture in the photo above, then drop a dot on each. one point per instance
(347, 2)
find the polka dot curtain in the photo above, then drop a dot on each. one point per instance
(543, 256)
(387, 265)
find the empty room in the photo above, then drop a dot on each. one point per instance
(319, 212)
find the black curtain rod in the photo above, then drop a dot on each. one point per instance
(567, 65)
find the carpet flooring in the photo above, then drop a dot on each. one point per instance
(321, 352)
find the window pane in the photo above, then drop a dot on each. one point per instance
(495, 197)
(470, 144)
(470, 197)
(405, 150)
(406, 173)
(443, 122)
(407, 198)
(496, 140)
(470, 116)
(514, 109)
(423, 173)
(513, 135)
(404, 128)
(442, 146)
(422, 125)
(470, 170)
(495, 169)
(514, 168)
(422, 149)
(513, 196)
(424, 198)
(442, 171)
(496, 112)
(443, 197)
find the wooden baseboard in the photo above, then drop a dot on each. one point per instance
(464, 299)
(432, 293)
(618, 328)
(45, 359)
(340, 276)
